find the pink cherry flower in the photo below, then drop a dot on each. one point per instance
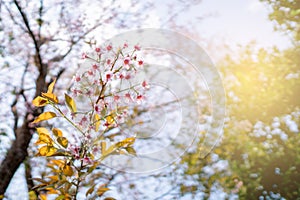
(87, 160)
(89, 92)
(75, 151)
(108, 76)
(121, 76)
(77, 78)
(109, 47)
(145, 85)
(84, 56)
(95, 67)
(116, 97)
(126, 61)
(128, 97)
(96, 82)
(140, 62)
(90, 72)
(139, 99)
(137, 48)
(120, 119)
(125, 45)
(76, 92)
(97, 49)
(127, 76)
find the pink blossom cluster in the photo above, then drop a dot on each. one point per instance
(105, 81)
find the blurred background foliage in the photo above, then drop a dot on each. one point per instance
(259, 153)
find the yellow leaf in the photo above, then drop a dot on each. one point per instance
(91, 156)
(101, 191)
(61, 152)
(42, 130)
(93, 167)
(50, 96)
(97, 122)
(44, 139)
(110, 150)
(43, 150)
(67, 170)
(32, 195)
(131, 150)
(44, 116)
(43, 197)
(51, 191)
(63, 141)
(103, 147)
(67, 187)
(40, 101)
(125, 143)
(109, 198)
(51, 151)
(91, 190)
(47, 150)
(51, 86)
(109, 119)
(54, 179)
(57, 132)
(70, 103)
(58, 163)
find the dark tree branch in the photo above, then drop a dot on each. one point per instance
(31, 34)
(13, 108)
(12, 17)
(18, 151)
(29, 181)
(73, 42)
(40, 20)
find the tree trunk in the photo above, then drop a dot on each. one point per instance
(15, 156)
(18, 151)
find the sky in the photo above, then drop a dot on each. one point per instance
(238, 22)
(241, 21)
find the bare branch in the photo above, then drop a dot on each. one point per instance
(31, 34)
